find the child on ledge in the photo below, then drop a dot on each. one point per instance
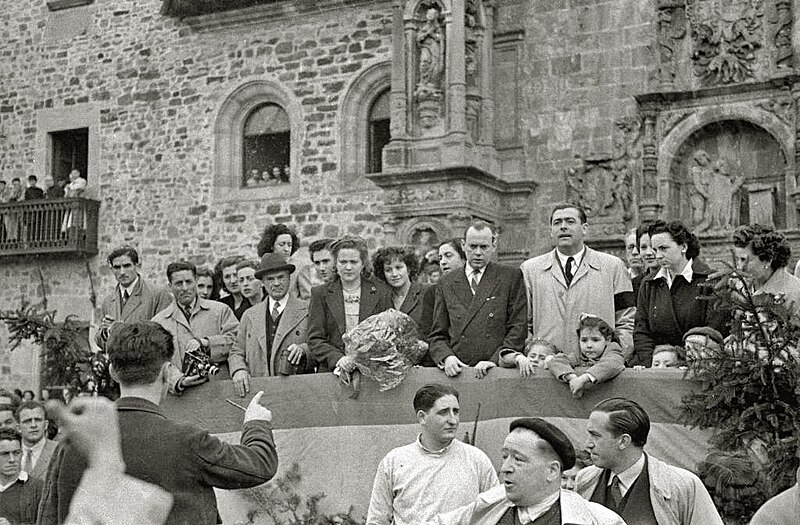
(538, 354)
(599, 352)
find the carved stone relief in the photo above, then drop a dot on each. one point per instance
(431, 47)
(671, 30)
(714, 192)
(670, 120)
(782, 33)
(725, 35)
(781, 108)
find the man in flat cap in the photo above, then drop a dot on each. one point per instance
(639, 487)
(535, 453)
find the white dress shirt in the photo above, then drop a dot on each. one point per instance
(533, 512)
(281, 304)
(577, 259)
(628, 476)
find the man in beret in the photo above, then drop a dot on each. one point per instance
(535, 453)
(699, 340)
(639, 487)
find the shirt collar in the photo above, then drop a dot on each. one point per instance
(130, 288)
(35, 448)
(533, 512)
(281, 303)
(22, 476)
(469, 270)
(687, 273)
(578, 257)
(628, 476)
(429, 451)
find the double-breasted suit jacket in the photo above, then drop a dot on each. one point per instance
(143, 304)
(252, 347)
(475, 328)
(326, 318)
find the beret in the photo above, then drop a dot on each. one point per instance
(712, 334)
(550, 433)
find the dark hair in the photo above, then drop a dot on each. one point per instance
(480, 225)
(455, 242)
(569, 206)
(247, 264)
(16, 179)
(679, 233)
(223, 263)
(128, 250)
(32, 177)
(29, 405)
(353, 242)
(387, 255)
(765, 243)
(33, 394)
(426, 396)
(207, 271)
(592, 321)
(13, 400)
(10, 434)
(319, 245)
(679, 351)
(270, 235)
(180, 266)
(137, 351)
(626, 417)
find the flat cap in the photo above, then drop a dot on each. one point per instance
(550, 433)
(707, 331)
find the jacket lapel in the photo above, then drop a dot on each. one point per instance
(369, 299)
(134, 301)
(336, 304)
(557, 271)
(585, 264)
(412, 298)
(461, 288)
(294, 312)
(485, 289)
(260, 323)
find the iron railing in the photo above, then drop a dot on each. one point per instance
(49, 226)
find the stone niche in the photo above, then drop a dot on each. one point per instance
(441, 167)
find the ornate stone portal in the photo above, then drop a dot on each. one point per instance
(441, 167)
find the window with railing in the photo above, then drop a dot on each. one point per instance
(49, 226)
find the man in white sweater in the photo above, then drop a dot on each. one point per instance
(435, 474)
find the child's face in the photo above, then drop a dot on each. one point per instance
(568, 478)
(538, 354)
(664, 359)
(592, 342)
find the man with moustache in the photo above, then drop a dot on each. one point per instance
(437, 473)
(272, 338)
(639, 487)
(133, 298)
(535, 453)
(36, 448)
(573, 280)
(196, 324)
(479, 311)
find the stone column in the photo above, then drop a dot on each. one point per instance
(487, 103)
(456, 76)
(650, 207)
(399, 96)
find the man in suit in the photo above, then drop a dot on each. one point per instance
(133, 299)
(479, 311)
(535, 453)
(182, 459)
(33, 192)
(197, 325)
(36, 448)
(639, 487)
(573, 280)
(19, 493)
(272, 338)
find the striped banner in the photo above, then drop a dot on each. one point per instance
(338, 441)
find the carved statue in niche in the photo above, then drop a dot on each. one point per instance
(782, 33)
(725, 34)
(471, 13)
(431, 51)
(626, 163)
(700, 177)
(671, 29)
(424, 239)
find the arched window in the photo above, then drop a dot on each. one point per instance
(378, 133)
(266, 146)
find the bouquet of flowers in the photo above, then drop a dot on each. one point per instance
(384, 346)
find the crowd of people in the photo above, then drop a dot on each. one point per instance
(581, 314)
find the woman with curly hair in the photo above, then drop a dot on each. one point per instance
(668, 304)
(763, 254)
(225, 273)
(339, 306)
(281, 239)
(398, 267)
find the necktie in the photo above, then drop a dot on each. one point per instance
(187, 312)
(27, 461)
(616, 491)
(275, 312)
(473, 283)
(568, 270)
(125, 296)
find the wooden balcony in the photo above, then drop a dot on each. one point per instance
(57, 226)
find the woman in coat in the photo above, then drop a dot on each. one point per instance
(669, 301)
(339, 306)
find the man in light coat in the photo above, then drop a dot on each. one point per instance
(535, 453)
(273, 334)
(639, 487)
(36, 448)
(572, 280)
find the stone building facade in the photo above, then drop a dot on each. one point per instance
(496, 109)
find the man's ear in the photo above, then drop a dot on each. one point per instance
(421, 417)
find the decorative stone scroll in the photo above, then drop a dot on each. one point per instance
(725, 36)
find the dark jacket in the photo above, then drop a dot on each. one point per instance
(55, 192)
(33, 193)
(476, 328)
(182, 459)
(418, 305)
(664, 314)
(326, 319)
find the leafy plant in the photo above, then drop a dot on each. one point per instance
(749, 397)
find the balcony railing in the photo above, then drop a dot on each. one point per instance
(49, 226)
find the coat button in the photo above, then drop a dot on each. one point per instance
(491, 314)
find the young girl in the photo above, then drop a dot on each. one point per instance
(600, 353)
